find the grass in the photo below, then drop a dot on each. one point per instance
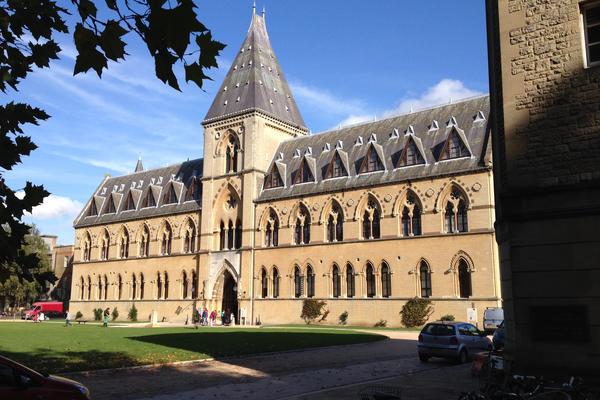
(54, 348)
(344, 327)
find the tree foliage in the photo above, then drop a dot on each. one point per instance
(415, 312)
(313, 309)
(173, 36)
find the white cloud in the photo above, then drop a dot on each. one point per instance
(56, 207)
(323, 100)
(356, 119)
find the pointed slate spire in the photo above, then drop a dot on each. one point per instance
(255, 81)
(139, 166)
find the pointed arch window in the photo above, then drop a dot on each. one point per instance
(371, 221)
(370, 277)
(170, 196)
(275, 283)
(336, 167)
(105, 287)
(302, 226)
(297, 282)
(167, 239)
(81, 288)
(133, 286)
(87, 248)
(159, 286)
(455, 212)
(194, 190)
(350, 287)
(410, 155)
(145, 242)
(336, 281)
(100, 288)
(166, 289)
(231, 155)
(303, 173)
(310, 282)
(189, 242)
(129, 203)
(264, 284)
(238, 234)
(104, 251)
(119, 287)
(89, 288)
(272, 230)
(454, 147)
(371, 161)
(184, 285)
(273, 179)
(93, 210)
(464, 280)
(110, 206)
(335, 224)
(411, 216)
(142, 283)
(194, 285)
(386, 280)
(230, 235)
(149, 200)
(425, 278)
(124, 245)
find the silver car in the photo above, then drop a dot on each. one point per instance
(455, 340)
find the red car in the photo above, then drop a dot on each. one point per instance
(22, 383)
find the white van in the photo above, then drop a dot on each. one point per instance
(492, 317)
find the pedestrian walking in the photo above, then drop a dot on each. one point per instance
(222, 315)
(205, 317)
(232, 319)
(42, 317)
(106, 316)
(213, 317)
(68, 318)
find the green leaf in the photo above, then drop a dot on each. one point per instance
(194, 73)
(209, 50)
(110, 40)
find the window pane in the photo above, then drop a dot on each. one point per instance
(594, 53)
(593, 34)
(592, 15)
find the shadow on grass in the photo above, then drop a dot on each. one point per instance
(227, 343)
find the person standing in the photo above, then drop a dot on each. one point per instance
(232, 319)
(205, 317)
(68, 318)
(106, 316)
(213, 316)
(222, 317)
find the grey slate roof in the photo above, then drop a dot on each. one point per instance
(139, 183)
(468, 118)
(255, 81)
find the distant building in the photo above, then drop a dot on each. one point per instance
(61, 257)
(544, 80)
(364, 217)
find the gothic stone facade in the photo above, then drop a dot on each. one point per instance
(364, 217)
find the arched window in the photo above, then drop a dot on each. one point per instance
(272, 230)
(386, 280)
(231, 155)
(350, 287)
(455, 214)
(310, 282)
(142, 283)
(411, 216)
(133, 287)
(166, 286)
(89, 288)
(87, 248)
(335, 223)
(145, 242)
(371, 221)
(104, 251)
(302, 227)
(194, 285)
(119, 287)
(230, 235)
(275, 283)
(464, 279)
(238, 234)
(222, 236)
(425, 277)
(81, 288)
(100, 288)
(264, 284)
(297, 282)
(105, 287)
(124, 245)
(167, 238)
(184, 285)
(337, 282)
(158, 286)
(370, 276)
(189, 242)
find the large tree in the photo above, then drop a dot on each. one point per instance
(173, 35)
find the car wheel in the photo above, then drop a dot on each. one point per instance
(423, 358)
(463, 357)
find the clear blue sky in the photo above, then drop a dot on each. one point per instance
(346, 61)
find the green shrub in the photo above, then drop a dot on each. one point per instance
(343, 318)
(78, 315)
(416, 312)
(447, 317)
(115, 313)
(312, 309)
(98, 314)
(382, 323)
(132, 313)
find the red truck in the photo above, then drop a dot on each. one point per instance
(49, 308)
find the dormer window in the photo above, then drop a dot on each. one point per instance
(371, 162)
(410, 155)
(273, 179)
(129, 203)
(336, 167)
(454, 148)
(194, 190)
(110, 207)
(149, 200)
(303, 174)
(170, 197)
(93, 210)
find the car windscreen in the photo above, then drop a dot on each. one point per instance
(439, 330)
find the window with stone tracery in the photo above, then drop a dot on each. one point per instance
(298, 285)
(275, 283)
(231, 155)
(189, 240)
(167, 239)
(104, 250)
(302, 226)
(370, 278)
(371, 221)
(411, 216)
(310, 282)
(336, 281)
(87, 248)
(145, 242)
(386, 280)
(124, 245)
(464, 280)
(455, 212)
(264, 284)
(350, 287)
(425, 279)
(335, 223)
(272, 230)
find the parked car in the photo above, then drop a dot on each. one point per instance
(19, 382)
(498, 338)
(49, 308)
(492, 317)
(454, 340)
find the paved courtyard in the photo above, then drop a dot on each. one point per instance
(335, 372)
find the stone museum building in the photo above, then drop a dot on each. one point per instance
(363, 217)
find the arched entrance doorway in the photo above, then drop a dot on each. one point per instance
(230, 301)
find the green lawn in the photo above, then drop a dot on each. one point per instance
(54, 348)
(329, 327)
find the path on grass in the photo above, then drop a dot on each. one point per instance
(271, 376)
